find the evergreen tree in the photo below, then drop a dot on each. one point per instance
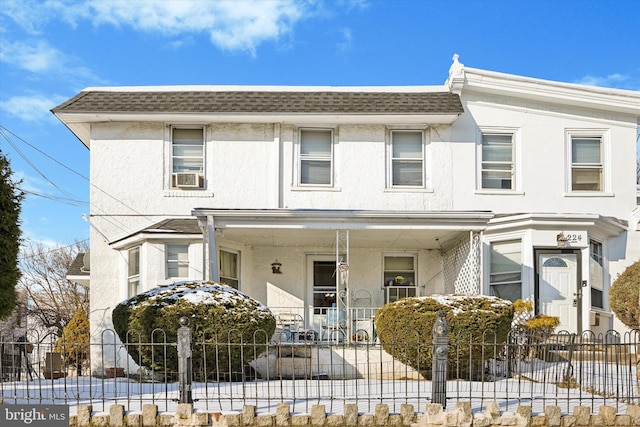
(74, 344)
(624, 296)
(10, 205)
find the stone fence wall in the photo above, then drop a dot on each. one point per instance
(434, 416)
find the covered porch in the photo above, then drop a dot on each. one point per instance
(324, 273)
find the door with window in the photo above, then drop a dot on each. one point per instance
(322, 290)
(558, 288)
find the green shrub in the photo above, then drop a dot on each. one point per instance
(229, 329)
(405, 328)
(624, 294)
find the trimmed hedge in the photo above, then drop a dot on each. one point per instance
(405, 328)
(229, 329)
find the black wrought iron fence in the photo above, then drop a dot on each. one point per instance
(226, 373)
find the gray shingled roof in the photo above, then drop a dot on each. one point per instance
(181, 225)
(262, 102)
(172, 225)
(77, 266)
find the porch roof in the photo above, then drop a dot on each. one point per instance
(367, 228)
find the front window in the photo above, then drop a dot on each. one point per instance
(177, 261)
(407, 159)
(505, 277)
(316, 157)
(399, 277)
(596, 274)
(133, 271)
(586, 164)
(187, 158)
(229, 269)
(497, 161)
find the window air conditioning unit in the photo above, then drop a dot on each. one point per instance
(187, 180)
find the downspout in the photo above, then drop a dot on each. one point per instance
(278, 141)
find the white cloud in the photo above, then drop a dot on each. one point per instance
(612, 80)
(230, 24)
(31, 108)
(39, 57)
(347, 43)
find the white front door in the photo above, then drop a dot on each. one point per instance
(558, 289)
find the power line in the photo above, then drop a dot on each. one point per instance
(72, 202)
(42, 152)
(24, 157)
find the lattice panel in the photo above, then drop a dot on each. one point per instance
(462, 266)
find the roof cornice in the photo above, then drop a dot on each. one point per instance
(585, 96)
(605, 225)
(344, 219)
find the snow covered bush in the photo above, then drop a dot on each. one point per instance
(405, 329)
(229, 329)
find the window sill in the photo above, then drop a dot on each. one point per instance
(187, 193)
(408, 190)
(589, 194)
(313, 188)
(492, 192)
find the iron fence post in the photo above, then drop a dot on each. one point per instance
(184, 361)
(439, 360)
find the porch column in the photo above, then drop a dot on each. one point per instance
(209, 249)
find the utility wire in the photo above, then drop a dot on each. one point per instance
(24, 157)
(113, 221)
(70, 200)
(23, 256)
(4, 129)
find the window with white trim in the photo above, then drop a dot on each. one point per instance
(187, 158)
(497, 161)
(177, 259)
(229, 271)
(399, 277)
(505, 274)
(316, 157)
(407, 158)
(133, 271)
(586, 163)
(596, 274)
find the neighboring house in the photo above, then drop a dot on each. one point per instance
(306, 197)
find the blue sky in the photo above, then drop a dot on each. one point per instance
(50, 50)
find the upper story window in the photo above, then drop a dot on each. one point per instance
(229, 272)
(586, 163)
(133, 271)
(187, 158)
(497, 161)
(177, 259)
(316, 157)
(407, 159)
(505, 275)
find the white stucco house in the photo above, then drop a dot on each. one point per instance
(310, 197)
